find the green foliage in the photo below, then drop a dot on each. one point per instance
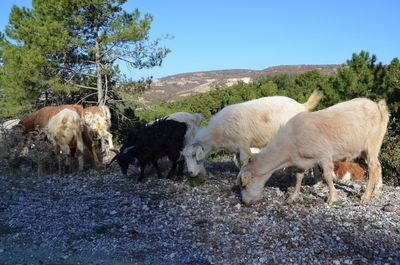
(390, 154)
(196, 181)
(65, 51)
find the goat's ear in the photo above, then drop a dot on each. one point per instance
(199, 154)
(244, 180)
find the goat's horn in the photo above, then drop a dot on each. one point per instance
(115, 151)
(112, 160)
(126, 150)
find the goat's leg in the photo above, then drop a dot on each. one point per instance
(61, 165)
(318, 177)
(332, 198)
(293, 197)
(181, 165)
(89, 144)
(244, 157)
(236, 159)
(374, 182)
(142, 168)
(379, 182)
(172, 170)
(155, 164)
(110, 142)
(80, 162)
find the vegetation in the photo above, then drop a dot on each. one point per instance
(65, 52)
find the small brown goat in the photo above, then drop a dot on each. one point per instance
(349, 171)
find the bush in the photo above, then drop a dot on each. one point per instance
(390, 155)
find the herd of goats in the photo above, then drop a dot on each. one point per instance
(281, 131)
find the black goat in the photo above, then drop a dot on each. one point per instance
(152, 142)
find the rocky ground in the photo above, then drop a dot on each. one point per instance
(101, 217)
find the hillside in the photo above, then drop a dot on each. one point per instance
(174, 87)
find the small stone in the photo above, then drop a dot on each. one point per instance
(238, 206)
(388, 208)
(43, 245)
(239, 231)
(1, 250)
(65, 257)
(113, 212)
(336, 262)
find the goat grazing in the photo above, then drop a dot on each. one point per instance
(41, 117)
(192, 121)
(64, 131)
(154, 141)
(343, 131)
(239, 127)
(98, 120)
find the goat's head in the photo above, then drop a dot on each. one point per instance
(251, 186)
(124, 158)
(195, 155)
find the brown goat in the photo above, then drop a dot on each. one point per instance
(41, 117)
(349, 171)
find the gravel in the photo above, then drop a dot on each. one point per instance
(102, 217)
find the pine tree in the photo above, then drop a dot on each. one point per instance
(62, 46)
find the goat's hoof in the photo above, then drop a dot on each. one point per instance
(376, 193)
(178, 178)
(332, 200)
(365, 199)
(290, 200)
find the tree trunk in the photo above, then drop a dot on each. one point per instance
(99, 72)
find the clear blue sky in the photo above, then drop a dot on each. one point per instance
(256, 34)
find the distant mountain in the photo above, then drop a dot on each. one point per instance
(175, 87)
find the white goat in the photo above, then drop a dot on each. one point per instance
(98, 120)
(344, 131)
(192, 122)
(64, 130)
(237, 128)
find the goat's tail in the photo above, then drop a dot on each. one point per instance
(383, 109)
(382, 126)
(313, 100)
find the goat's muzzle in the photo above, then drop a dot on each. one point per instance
(113, 159)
